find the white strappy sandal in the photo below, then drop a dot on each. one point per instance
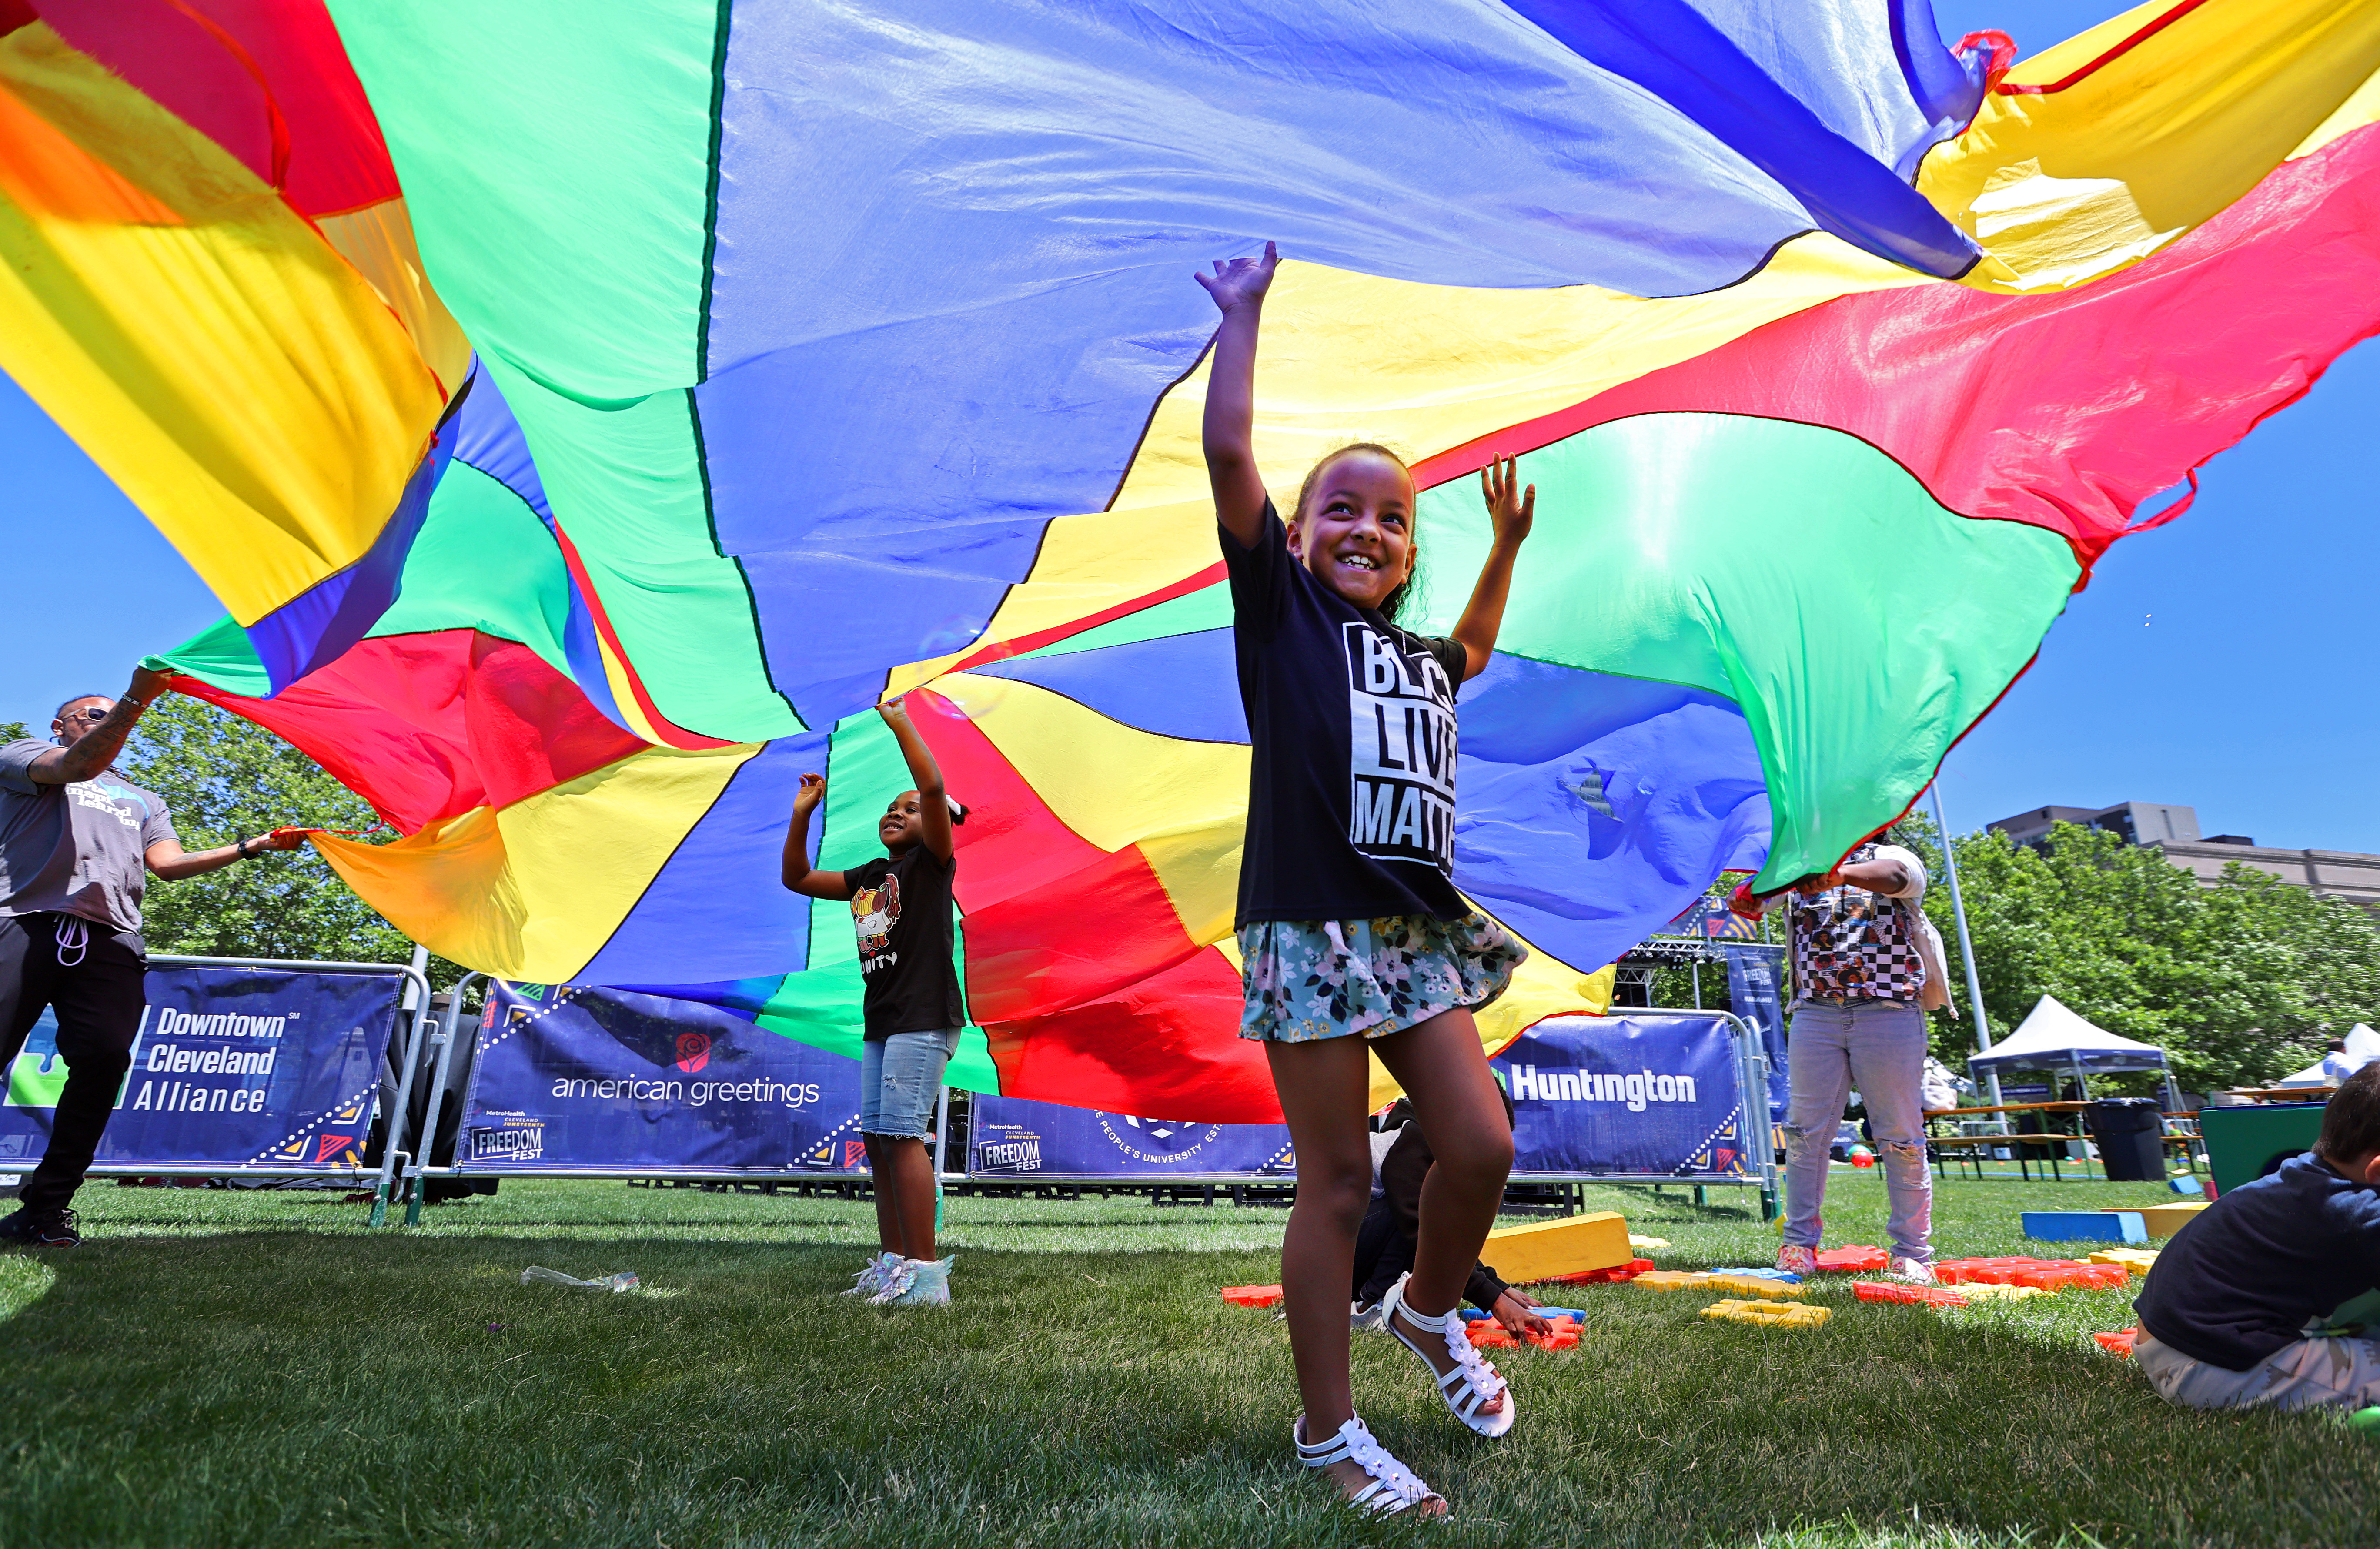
(1394, 1488)
(1477, 1377)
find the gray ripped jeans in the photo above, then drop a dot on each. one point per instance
(1879, 1046)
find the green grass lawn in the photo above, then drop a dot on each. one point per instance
(236, 1369)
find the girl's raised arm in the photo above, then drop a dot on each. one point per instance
(934, 802)
(1238, 287)
(798, 875)
(1511, 512)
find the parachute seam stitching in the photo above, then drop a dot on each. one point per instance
(650, 883)
(710, 194)
(751, 599)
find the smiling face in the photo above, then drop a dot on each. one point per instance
(1355, 530)
(903, 826)
(76, 719)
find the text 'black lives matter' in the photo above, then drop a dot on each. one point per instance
(1401, 740)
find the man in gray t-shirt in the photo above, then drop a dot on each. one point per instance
(78, 842)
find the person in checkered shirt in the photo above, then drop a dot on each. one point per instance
(1866, 968)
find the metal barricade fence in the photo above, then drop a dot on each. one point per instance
(394, 1135)
(454, 1042)
(1757, 1157)
(1752, 1165)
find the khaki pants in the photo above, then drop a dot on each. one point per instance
(2310, 1372)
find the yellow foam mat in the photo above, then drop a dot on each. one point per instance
(2136, 1260)
(2000, 1293)
(1752, 1285)
(2165, 1219)
(1670, 1279)
(1769, 1315)
(1568, 1246)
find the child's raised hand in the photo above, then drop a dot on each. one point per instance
(894, 711)
(1240, 280)
(1510, 508)
(812, 792)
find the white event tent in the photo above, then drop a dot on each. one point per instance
(2362, 1048)
(2054, 1038)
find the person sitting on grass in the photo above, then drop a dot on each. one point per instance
(1384, 1244)
(901, 910)
(2250, 1303)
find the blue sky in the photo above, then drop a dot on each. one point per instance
(2224, 661)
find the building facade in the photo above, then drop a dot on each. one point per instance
(2334, 873)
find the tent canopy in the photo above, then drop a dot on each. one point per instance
(2054, 1038)
(2362, 1048)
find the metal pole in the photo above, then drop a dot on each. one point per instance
(1695, 967)
(1967, 952)
(941, 1157)
(444, 1039)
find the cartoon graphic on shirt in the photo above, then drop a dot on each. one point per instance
(1400, 737)
(874, 913)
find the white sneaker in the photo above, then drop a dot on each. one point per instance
(871, 1280)
(1362, 1317)
(1794, 1259)
(1909, 1272)
(924, 1282)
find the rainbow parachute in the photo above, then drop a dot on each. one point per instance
(828, 351)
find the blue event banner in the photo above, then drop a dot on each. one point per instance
(274, 1070)
(1015, 1138)
(1755, 988)
(576, 1077)
(1656, 1096)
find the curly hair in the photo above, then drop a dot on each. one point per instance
(1394, 600)
(2351, 1121)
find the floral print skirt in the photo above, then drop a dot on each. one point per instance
(1304, 980)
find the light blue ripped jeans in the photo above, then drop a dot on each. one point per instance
(1878, 1047)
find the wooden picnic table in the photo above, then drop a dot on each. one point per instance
(2047, 1138)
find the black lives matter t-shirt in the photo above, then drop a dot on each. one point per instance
(1350, 788)
(901, 910)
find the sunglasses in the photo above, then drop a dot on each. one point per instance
(94, 713)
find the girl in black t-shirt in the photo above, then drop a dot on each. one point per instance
(901, 913)
(1354, 939)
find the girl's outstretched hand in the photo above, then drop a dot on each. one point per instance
(893, 711)
(1510, 508)
(1240, 280)
(812, 792)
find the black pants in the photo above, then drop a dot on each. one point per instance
(1383, 1253)
(98, 993)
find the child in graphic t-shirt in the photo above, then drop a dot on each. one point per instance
(901, 912)
(1353, 937)
(2266, 1296)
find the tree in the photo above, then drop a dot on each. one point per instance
(224, 779)
(2240, 982)
(14, 731)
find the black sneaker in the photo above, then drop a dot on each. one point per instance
(51, 1230)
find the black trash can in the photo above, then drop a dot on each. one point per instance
(2130, 1138)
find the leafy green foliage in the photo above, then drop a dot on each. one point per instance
(14, 731)
(226, 779)
(2240, 982)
